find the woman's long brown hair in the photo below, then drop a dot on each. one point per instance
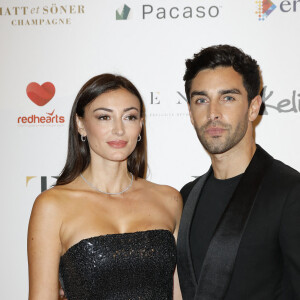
(78, 157)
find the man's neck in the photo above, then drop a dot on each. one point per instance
(233, 162)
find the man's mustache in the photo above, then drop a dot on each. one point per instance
(212, 124)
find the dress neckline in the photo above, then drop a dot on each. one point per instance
(115, 234)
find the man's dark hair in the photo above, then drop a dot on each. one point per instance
(224, 56)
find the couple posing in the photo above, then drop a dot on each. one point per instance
(110, 234)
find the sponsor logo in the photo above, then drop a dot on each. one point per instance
(40, 94)
(54, 14)
(286, 105)
(153, 12)
(266, 7)
(122, 13)
(160, 105)
(41, 181)
(176, 12)
(47, 119)
(156, 98)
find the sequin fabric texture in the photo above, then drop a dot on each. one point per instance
(128, 266)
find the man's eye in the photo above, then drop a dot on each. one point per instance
(228, 98)
(201, 100)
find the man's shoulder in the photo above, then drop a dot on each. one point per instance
(284, 172)
(278, 171)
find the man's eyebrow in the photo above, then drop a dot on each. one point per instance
(110, 110)
(230, 91)
(221, 92)
(198, 93)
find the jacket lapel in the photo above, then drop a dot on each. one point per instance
(219, 261)
(185, 267)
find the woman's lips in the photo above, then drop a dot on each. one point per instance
(117, 144)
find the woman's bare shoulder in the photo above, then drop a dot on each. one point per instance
(158, 187)
(47, 202)
(165, 192)
(53, 198)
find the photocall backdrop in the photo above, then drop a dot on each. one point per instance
(49, 49)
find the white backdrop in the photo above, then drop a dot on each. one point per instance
(68, 42)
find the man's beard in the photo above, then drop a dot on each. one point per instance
(214, 145)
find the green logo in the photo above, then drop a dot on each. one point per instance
(122, 13)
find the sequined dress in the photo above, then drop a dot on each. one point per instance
(131, 266)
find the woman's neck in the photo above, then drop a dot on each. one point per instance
(108, 176)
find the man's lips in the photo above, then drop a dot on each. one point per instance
(117, 144)
(215, 131)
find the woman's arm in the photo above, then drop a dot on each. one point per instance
(178, 199)
(177, 291)
(44, 247)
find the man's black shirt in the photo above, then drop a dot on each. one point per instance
(212, 202)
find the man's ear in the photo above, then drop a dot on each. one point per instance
(80, 125)
(254, 108)
(190, 112)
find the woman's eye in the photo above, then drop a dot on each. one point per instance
(131, 118)
(103, 117)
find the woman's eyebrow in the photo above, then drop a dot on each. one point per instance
(130, 108)
(110, 110)
(103, 108)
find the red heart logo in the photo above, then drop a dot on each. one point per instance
(40, 94)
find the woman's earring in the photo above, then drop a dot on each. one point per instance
(139, 137)
(83, 138)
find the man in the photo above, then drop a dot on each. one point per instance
(239, 237)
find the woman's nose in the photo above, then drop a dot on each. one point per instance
(118, 127)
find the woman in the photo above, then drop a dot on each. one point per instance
(103, 228)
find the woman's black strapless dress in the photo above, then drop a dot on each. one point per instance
(129, 266)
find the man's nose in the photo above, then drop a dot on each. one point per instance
(214, 112)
